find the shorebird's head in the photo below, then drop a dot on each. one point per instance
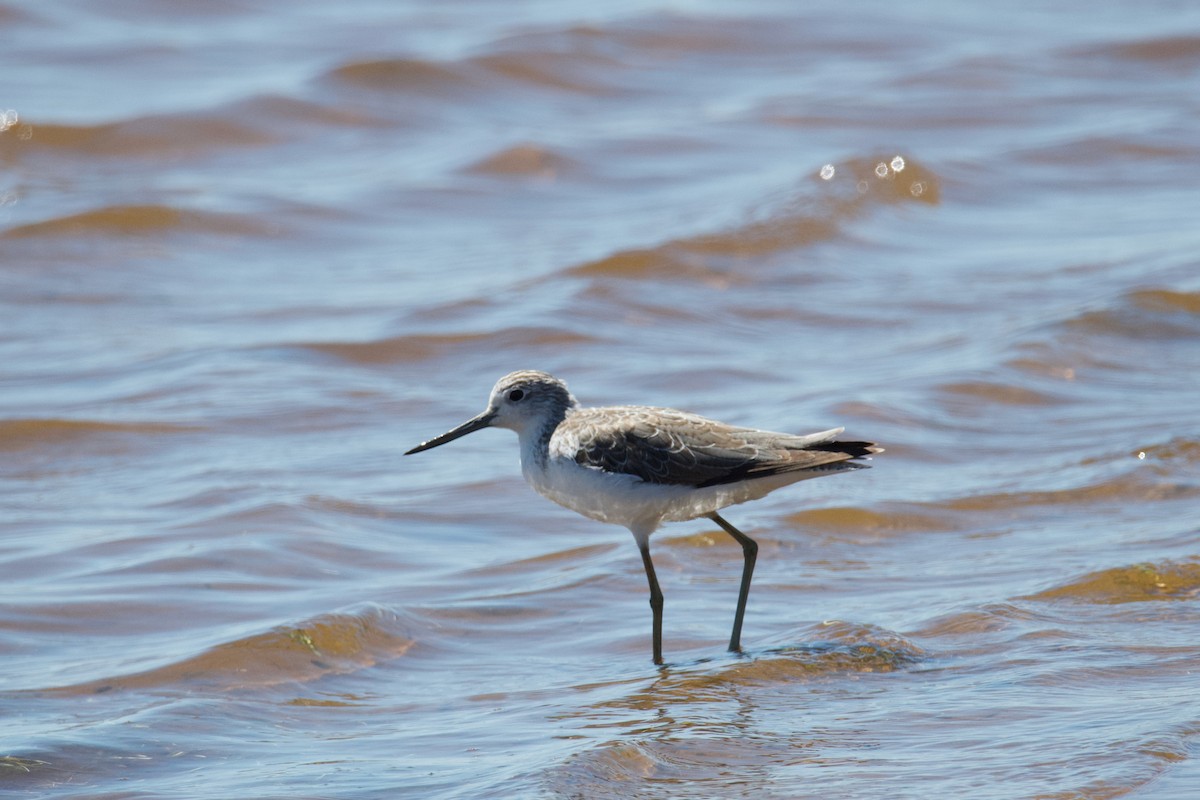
(521, 401)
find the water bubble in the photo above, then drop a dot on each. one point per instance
(881, 169)
(1141, 455)
(898, 164)
(863, 187)
(917, 189)
(827, 172)
(8, 118)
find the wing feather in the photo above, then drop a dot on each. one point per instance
(674, 447)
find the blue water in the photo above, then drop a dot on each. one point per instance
(251, 254)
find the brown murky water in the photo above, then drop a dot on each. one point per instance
(249, 253)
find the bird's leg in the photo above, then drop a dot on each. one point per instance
(656, 602)
(750, 553)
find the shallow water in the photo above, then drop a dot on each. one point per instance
(250, 254)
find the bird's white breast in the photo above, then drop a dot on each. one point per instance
(624, 499)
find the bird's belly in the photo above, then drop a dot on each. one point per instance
(628, 500)
(599, 495)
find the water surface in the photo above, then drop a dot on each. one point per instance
(250, 254)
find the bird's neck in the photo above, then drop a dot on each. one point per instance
(535, 440)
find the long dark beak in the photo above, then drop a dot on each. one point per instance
(470, 426)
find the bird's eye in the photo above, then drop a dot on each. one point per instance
(516, 394)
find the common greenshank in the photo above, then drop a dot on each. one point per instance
(640, 466)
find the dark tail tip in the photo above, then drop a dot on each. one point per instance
(852, 449)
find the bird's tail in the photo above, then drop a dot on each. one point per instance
(852, 449)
